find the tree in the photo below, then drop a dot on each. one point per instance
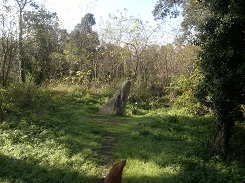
(218, 27)
(112, 63)
(87, 22)
(8, 43)
(222, 39)
(22, 4)
(132, 33)
(43, 28)
(81, 47)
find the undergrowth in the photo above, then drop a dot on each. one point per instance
(55, 134)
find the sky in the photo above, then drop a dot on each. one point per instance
(70, 12)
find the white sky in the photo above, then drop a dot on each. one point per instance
(70, 12)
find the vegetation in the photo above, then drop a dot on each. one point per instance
(218, 28)
(60, 137)
(184, 120)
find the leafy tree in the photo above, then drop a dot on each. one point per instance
(81, 47)
(112, 63)
(43, 26)
(173, 61)
(87, 22)
(222, 38)
(218, 27)
(8, 44)
(22, 4)
(132, 33)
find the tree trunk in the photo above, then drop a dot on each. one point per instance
(22, 62)
(22, 67)
(222, 137)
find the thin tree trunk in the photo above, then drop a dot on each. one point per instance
(22, 4)
(22, 62)
(3, 70)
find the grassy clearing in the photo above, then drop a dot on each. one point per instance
(173, 148)
(60, 137)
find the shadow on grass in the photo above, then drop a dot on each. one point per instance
(176, 136)
(177, 145)
(52, 125)
(63, 119)
(15, 170)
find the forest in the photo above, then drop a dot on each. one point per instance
(184, 119)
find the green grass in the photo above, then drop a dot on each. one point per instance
(60, 137)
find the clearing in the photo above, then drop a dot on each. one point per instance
(58, 136)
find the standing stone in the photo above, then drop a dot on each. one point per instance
(118, 102)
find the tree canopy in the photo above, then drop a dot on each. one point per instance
(218, 27)
(34, 48)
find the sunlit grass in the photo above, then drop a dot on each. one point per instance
(147, 171)
(59, 138)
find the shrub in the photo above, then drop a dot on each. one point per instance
(184, 89)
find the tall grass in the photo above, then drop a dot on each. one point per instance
(55, 134)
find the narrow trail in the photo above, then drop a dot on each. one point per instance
(107, 148)
(109, 142)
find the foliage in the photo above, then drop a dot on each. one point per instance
(38, 141)
(54, 134)
(8, 45)
(112, 63)
(125, 47)
(61, 138)
(87, 22)
(22, 5)
(218, 28)
(135, 36)
(184, 90)
(223, 62)
(167, 8)
(43, 26)
(81, 47)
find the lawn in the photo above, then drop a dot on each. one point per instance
(56, 135)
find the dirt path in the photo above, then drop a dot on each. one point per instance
(109, 142)
(107, 148)
(106, 152)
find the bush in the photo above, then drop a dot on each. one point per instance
(184, 89)
(18, 97)
(11, 97)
